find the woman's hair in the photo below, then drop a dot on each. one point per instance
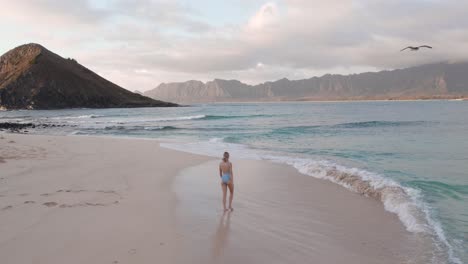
(225, 156)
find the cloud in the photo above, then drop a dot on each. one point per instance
(265, 17)
(53, 13)
(141, 43)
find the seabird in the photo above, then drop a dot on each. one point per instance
(416, 48)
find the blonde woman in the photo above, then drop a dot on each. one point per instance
(227, 180)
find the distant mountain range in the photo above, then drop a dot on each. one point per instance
(432, 81)
(32, 77)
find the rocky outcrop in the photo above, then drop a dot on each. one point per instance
(32, 77)
(22, 127)
(433, 81)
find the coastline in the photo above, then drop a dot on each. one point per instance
(189, 104)
(86, 188)
(330, 101)
(282, 216)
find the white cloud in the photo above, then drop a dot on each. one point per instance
(265, 17)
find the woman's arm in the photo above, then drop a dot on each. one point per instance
(232, 173)
(220, 171)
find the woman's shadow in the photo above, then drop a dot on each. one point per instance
(221, 235)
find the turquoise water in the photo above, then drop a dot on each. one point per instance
(419, 146)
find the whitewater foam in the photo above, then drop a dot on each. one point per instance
(166, 119)
(76, 117)
(403, 201)
(123, 120)
(139, 128)
(183, 118)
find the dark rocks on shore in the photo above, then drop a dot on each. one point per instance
(21, 127)
(16, 126)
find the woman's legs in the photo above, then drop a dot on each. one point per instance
(231, 194)
(224, 187)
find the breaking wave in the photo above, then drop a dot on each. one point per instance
(405, 202)
(76, 117)
(217, 117)
(140, 128)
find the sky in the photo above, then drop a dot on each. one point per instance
(141, 43)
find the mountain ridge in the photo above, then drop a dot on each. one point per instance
(430, 81)
(33, 77)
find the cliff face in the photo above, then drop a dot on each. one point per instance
(32, 77)
(433, 81)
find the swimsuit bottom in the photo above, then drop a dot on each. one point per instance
(225, 178)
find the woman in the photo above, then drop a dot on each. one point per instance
(227, 180)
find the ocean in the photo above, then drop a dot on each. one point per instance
(411, 155)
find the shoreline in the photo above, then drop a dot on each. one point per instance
(172, 161)
(330, 101)
(283, 216)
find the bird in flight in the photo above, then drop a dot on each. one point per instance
(416, 48)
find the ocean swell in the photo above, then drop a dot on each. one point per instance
(367, 124)
(351, 125)
(333, 128)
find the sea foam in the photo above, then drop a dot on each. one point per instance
(405, 202)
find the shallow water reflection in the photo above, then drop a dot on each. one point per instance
(221, 236)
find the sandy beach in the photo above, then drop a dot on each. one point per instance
(72, 199)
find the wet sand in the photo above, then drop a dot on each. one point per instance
(106, 200)
(282, 216)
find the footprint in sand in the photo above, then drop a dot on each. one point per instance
(103, 191)
(132, 251)
(7, 207)
(23, 194)
(94, 204)
(84, 204)
(29, 202)
(11, 141)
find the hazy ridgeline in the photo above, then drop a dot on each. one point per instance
(432, 81)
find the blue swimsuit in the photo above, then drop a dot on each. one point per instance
(225, 178)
